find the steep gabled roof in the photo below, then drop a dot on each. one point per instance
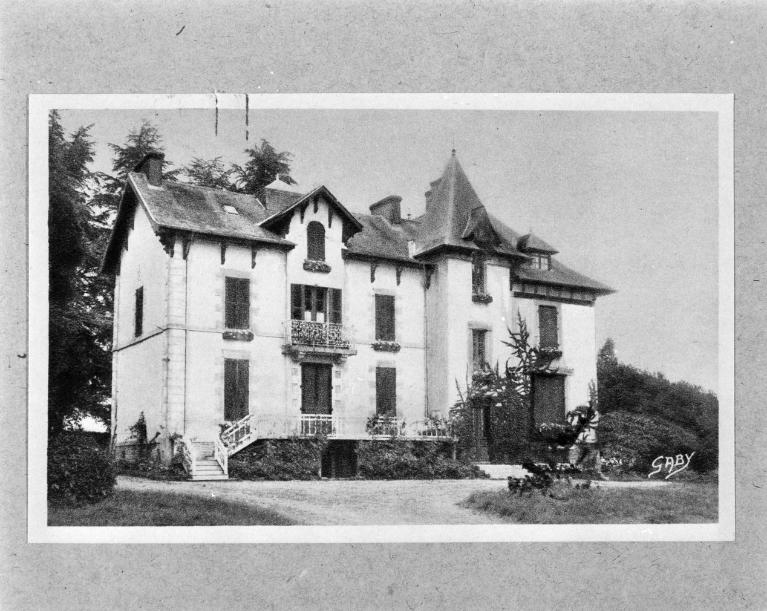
(561, 275)
(455, 217)
(532, 243)
(380, 239)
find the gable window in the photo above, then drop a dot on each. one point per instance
(237, 300)
(315, 241)
(236, 380)
(478, 348)
(138, 315)
(478, 275)
(540, 261)
(385, 330)
(547, 327)
(386, 391)
(315, 303)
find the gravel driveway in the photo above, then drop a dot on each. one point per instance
(350, 502)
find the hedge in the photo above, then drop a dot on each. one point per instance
(78, 470)
(279, 459)
(410, 460)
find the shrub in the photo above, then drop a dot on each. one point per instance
(279, 459)
(637, 439)
(410, 460)
(78, 470)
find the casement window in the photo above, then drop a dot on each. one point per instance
(478, 348)
(547, 327)
(386, 391)
(385, 330)
(315, 241)
(236, 380)
(315, 303)
(138, 314)
(540, 261)
(478, 275)
(237, 299)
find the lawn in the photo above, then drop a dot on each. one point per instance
(676, 503)
(138, 508)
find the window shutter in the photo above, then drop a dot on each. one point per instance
(335, 306)
(315, 241)
(138, 326)
(478, 352)
(386, 391)
(385, 317)
(478, 275)
(237, 303)
(236, 392)
(547, 326)
(296, 301)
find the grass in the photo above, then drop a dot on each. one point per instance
(674, 504)
(134, 508)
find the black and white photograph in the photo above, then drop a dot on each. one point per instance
(454, 317)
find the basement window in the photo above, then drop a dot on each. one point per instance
(230, 209)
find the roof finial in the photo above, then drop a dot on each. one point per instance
(453, 153)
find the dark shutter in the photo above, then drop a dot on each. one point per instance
(478, 275)
(335, 305)
(138, 323)
(547, 326)
(297, 301)
(315, 241)
(385, 317)
(236, 374)
(237, 300)
(386, 391)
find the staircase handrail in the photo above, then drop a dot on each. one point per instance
(229, 436)
(221, 455)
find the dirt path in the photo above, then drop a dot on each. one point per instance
(352, 502)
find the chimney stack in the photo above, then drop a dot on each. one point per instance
(151, 167)
(388, 208)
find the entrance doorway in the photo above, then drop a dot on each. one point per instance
(548, 398)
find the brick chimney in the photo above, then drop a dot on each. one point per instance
(389, 208)
(151, 167)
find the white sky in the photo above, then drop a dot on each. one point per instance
(628, 198)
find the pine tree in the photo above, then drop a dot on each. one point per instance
(263, 167)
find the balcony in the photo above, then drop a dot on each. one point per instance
(308, 337)
(276, 426)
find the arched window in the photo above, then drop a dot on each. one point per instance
(315, 241)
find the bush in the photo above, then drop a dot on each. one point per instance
(279, 459)
(410, 460)
(78, 470)
(637, 439)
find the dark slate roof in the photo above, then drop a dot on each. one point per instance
(561, 275)
(379, 238)
(531, 242)
(277, 200)
(181, 206)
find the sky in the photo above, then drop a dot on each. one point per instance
(628, 198)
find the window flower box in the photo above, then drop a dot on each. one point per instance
(386, 346)
(553, 352)
(311, 265)
(242, 335)
(481, 298)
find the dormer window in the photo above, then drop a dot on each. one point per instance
(315, 241)
(230, 209)
(539, 260)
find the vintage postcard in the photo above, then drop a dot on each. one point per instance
(381, 318)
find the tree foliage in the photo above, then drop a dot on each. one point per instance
(629, 390)
(209, 173)
(264, 165)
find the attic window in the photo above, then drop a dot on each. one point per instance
(540, 261)
(230, 209)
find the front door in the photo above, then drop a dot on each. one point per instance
(316, 388)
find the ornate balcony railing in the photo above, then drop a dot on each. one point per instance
(317, 334)
(277, 426)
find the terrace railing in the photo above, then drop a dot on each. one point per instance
(317, 334)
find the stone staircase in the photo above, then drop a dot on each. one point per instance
(206, 467)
